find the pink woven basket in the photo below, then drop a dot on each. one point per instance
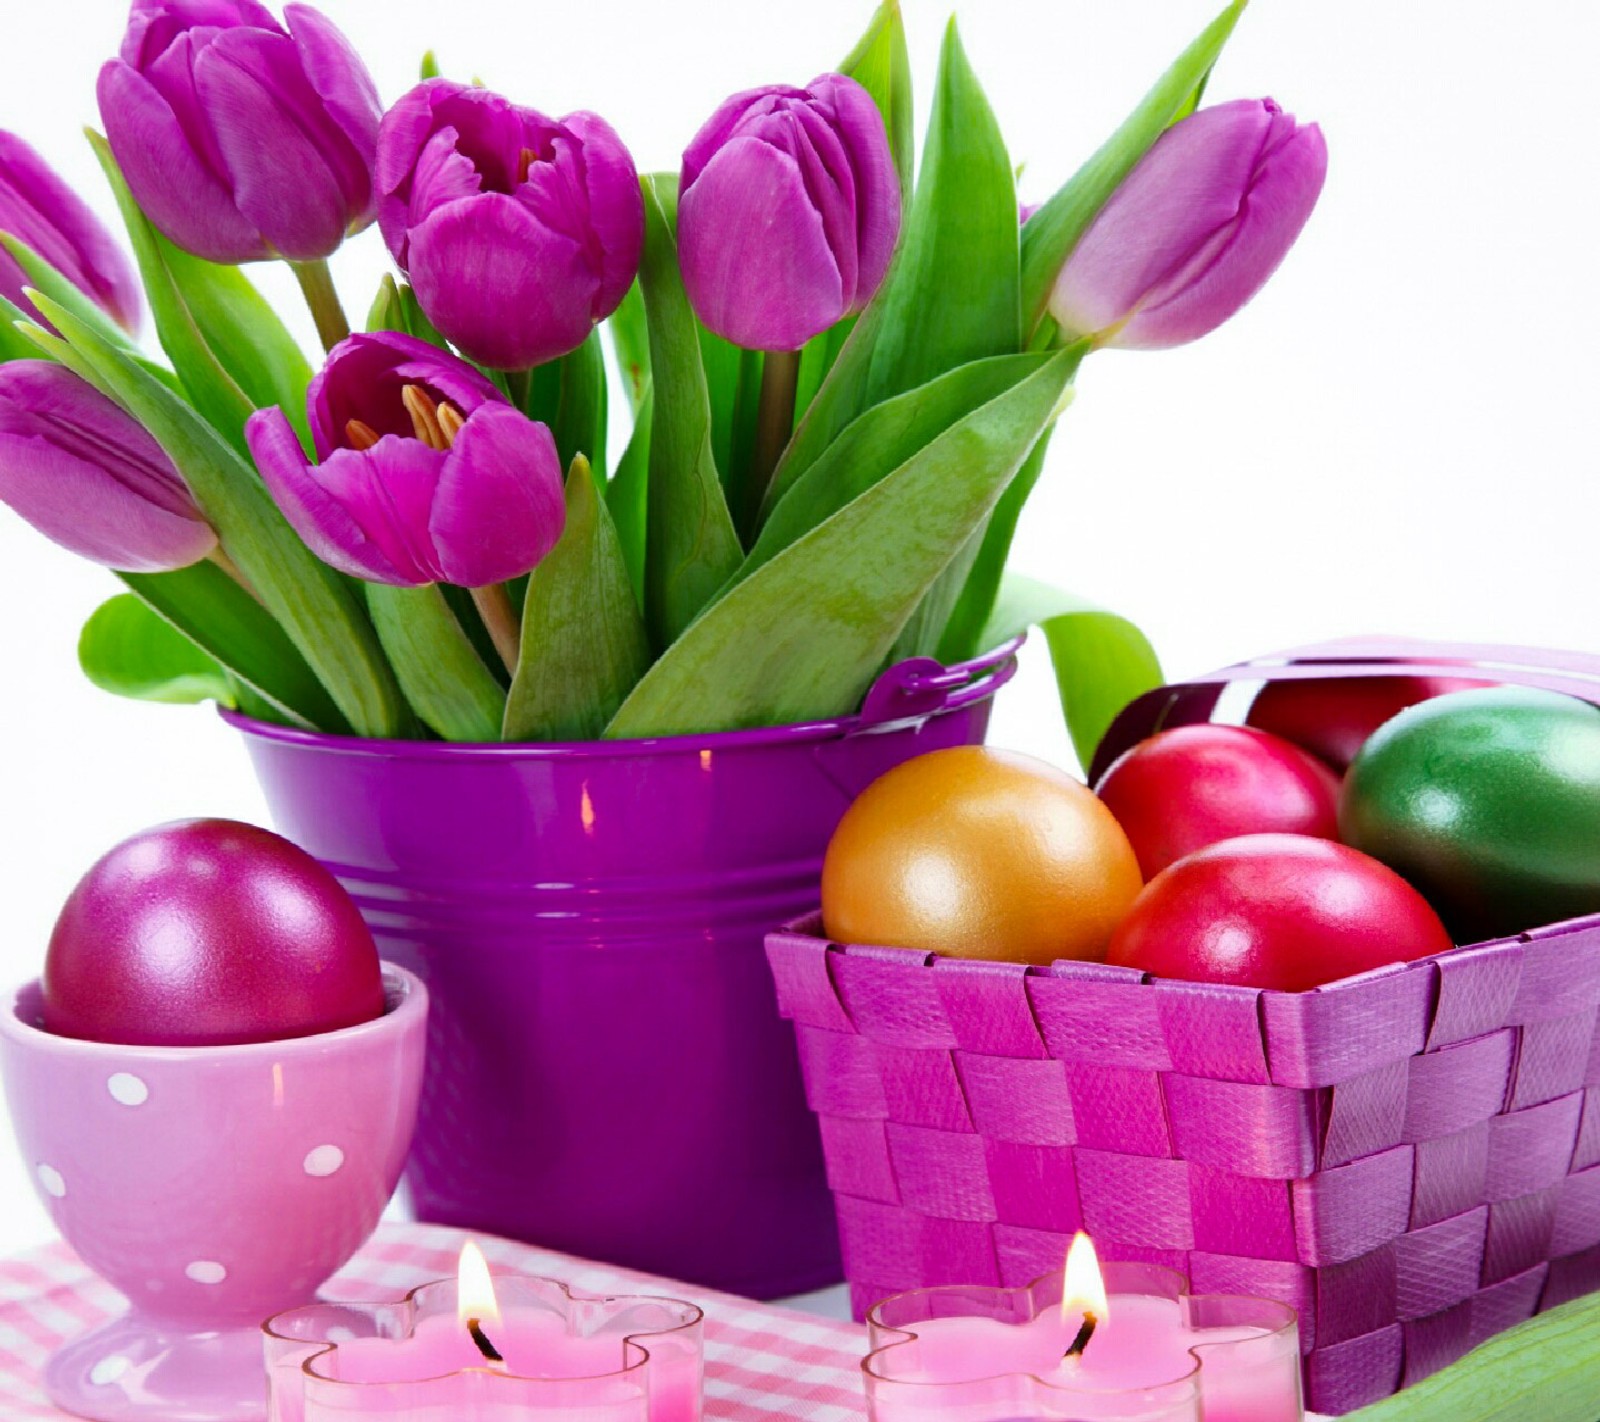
(1411, 1158)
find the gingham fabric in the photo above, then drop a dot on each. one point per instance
(761, 1362)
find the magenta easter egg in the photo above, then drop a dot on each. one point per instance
(204, 933)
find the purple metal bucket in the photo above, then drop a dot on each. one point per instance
(607, 1071)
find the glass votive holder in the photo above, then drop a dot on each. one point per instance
(975, 1354)
(563, 1355)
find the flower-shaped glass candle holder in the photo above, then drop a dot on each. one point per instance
(544, 1352)
(1158, 1355)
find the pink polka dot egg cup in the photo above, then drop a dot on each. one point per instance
(213, 1186)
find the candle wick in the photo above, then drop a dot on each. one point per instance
(1084, 1335)
(481, 1338)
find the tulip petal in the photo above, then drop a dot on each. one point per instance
(88, 476)
(364, 379)
(168, 178)
(154, 24)
(500, 284)
(290, 166)
(442, 174)
(40, 209)
(500, 506)
(326, 527)
(41, 398)
(616, 207)
(79, 506)
(342, 82)
(877, 183)
(749, 104)
(1273, 213)
(755, 256)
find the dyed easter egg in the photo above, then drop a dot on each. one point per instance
(208, 932)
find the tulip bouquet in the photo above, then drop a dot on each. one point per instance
(842, 381)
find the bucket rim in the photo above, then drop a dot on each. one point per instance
(962, 685)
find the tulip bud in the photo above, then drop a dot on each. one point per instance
(788, 212)
(242, 140)
(88, 476)
(426, 473)
(37, 208)
(518, 232)
(1195, 229)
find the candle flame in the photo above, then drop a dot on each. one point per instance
(474, 1288)
(1083, 1290)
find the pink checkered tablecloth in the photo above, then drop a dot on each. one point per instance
(761, 1362)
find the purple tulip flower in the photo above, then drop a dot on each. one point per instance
(88, 476)
(788, 212)
(1195, 229)
(36, 207)
(425, 475)
(242, 140)
(518, 232)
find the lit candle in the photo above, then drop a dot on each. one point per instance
(1066, 1347)
(462, 1351)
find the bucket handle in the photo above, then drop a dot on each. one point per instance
(920, 687)
(1185, 703)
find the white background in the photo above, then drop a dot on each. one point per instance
(1398, 435)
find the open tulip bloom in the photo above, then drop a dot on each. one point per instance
(838, 379)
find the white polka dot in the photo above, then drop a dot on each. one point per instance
(340, 1335)
(324, 1160)
(128, 1089)
(50, 1179)
(206, 1271)
(108, 1370)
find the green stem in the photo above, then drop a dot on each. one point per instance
(501, 619)
(316, 282)
(780, 377)
(519, 385)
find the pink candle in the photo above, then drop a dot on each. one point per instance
(453, 1352)
(1154, 1354)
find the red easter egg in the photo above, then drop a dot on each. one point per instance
(204, 933)
(1196, 785)
(1281, 911)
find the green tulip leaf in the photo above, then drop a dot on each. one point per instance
(628, 493)
(579, 420)
(879, 442)
(129, 651)
(1102, 661)
(429, 68)
(396, 308)
(691, 546)
(221, 619)
(1054, 230)
(316, 607)
(630, 343)
(951, 295)
(45, 278)
(444, 677)
(804, 635)
(226, 343)
(584, 645)
(968, 618)
(15, 343)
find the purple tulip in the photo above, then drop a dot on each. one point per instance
(87, 475)
(242, 140)
(519, 232)
(425, 475)
(1195, 229)
(788, 212)
(37, 208)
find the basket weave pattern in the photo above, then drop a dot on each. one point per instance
(1411, 1158)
